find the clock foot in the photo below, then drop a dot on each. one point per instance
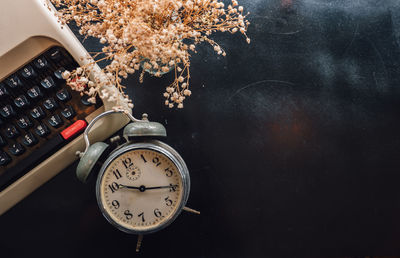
(139, 243)
(191, 210)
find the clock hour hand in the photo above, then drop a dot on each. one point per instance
(129, 187)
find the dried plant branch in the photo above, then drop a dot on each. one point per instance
(155, 36)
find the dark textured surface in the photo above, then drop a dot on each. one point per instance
(292, 144)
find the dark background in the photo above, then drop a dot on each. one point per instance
(292, 143)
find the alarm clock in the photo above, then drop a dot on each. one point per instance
(143, 184)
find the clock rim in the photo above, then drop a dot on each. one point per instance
(170, 153)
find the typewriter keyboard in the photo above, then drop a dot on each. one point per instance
(38, 113)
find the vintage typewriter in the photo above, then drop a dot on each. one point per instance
(41, 119)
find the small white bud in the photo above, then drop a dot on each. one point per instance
(66, 75)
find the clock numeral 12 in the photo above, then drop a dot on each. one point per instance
(127, 162)
(141, 155)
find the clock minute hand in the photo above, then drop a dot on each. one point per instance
(161, 187)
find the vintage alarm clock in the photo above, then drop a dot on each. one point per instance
(142, 185)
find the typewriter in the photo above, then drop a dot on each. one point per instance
(41, 119)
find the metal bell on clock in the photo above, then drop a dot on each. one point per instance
(144, 128)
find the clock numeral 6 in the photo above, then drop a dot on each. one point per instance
(157, 213)
(168, 201)
(156, 161)
(113, 187)
(115, 203)
(128, 214)
(168, 172)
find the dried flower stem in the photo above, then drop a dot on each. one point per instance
(151, 35)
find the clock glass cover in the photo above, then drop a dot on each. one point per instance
(140, 190)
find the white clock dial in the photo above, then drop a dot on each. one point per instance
(141, 189)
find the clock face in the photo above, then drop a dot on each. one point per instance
(140, 190)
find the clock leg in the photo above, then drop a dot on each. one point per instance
(139, 243)
(191, 210)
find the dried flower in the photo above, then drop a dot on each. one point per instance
(157, 36)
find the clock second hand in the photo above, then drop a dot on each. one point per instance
(143, 188)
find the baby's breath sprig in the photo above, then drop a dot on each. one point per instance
(156, 36)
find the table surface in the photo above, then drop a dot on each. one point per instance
(292, 143)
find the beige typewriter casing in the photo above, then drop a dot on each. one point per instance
(27, 29)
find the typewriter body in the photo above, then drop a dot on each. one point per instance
(41, 119)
